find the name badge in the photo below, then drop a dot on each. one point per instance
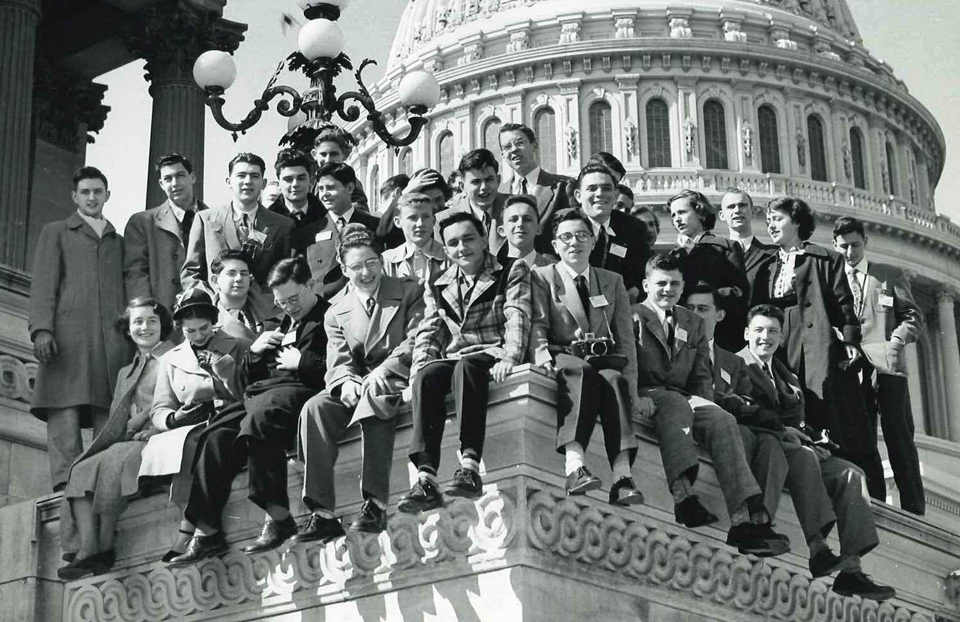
(886, 300)
(257, 236)
(619, 251)
(598, 301)
(681, 334)
(725, 376)
(289, 339)
(324, 235)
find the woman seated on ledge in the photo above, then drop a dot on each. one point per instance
(105, 476)
(196, 378)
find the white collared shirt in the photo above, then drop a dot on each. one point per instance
(605, 226)
(363, 296)
(573, 275)
(860, 267)
(346, 216)
(178, 211)
(746, 243)
(531, 178)
(251, 215)
(529, 259)
(98, 224)
(713, 353)
(661, 314)
(686, 241)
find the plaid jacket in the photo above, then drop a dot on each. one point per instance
(497, 318)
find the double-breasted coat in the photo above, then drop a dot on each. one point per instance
(77, 294)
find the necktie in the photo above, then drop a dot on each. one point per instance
(371, 305)
(466, 289)
(243, 229)
(341, 223)
(853, 277)
(584, 293)
(486, 223)
(602, 247)
(242, 318)
(186, 224)
(298, 218)
(670, 330)
(420, 265)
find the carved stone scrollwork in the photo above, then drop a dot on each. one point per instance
(801, 149)
(884, 176)
(824, 49)
(746, 135)
(689, 132)
(782, 39)
(845, 149)
(630, 136)
(471, 53)
(519, 41)
(624, 28)
(66, 104)
(17, 378)
(572, 143)
(570, 32)
(733, 33)
(680, 28)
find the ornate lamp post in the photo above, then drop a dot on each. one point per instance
(321, 59)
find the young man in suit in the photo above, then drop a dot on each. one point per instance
(294, 172)
(285, 367)
(889, 320)
(155, 240)
(573, 301)
(624, 199)
(645, 215)
(242, 224)
(333, 145)
(420, 257)
(231, 281)
(520, 229)
(621, 245)
(519, 147)
(426, 181)
(476, 327)
(825, 489)
(481, 175)
(676, 388)
(736, 209)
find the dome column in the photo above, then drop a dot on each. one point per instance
(748, 141)
(571, 126)
(628, 86)
(689, 118)
(950, 354)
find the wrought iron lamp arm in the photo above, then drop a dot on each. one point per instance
(287, 108)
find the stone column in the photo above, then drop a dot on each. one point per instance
(171, 39)
(951, 360)
(915, 387)
(18, 42)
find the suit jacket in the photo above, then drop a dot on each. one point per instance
(461, 203)
(153, 254)
(539, 259)
(888, 309)
(235, 328)
(496, 319)
(686, 368)
(558, 314)
(783, 403)
(731, 383)
(310, 340)
(319, 241)
(397, 263)
(182, 381)
(755, 258)
(626, 253)
(305, 229)
(551, 192)
(387, 231)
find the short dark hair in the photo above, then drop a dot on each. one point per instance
(766, 310)
(478, 159)
(290, 158)
(610, 161)
(199, 312)
(798, 211)
(89, 172)
(356, 235)
(664, 262)
(702, 287)
(456, 217)
(397, 182)
(172, 159)
(848, 224)
(701, 205)
(166, 320)
(736, 190)
(333, 134)
(294, 269)
(645, 209)
(247, 158)
(441, 184)
(595, 167)
(343, 173)
(517, 127)
(228, 254)
(526, 199)
(625, 189)
(567, 215)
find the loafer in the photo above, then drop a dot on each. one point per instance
(370, 519)
(272, 534)
(423, 496)
(857, 583)
(580, 482)
(319, 529)
(624, 492)
(757, 539)
(824, 563)
(691, 513)
(200, 548)
(466, 483)
(97, 563)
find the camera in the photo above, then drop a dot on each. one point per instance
(591, 345)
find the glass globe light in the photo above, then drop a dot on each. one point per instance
(320, 38)
(306, 4)
(215, 68)
(419, 88)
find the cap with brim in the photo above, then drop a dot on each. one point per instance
(192, 299)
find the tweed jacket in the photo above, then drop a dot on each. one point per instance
(309, 339)
(398, 261)
(319, 242)
(552, 194)
(784, 402)
(888, 309)
(461, 203)
(153, 254)
(558, 314)
(496, 319)
(626, 252)
(686, 368)
(182, 381)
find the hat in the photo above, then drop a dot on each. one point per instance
(192, 298)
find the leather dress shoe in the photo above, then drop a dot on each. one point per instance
(466, 483)
(757, 539)
(856, 583)
(691, 513)
(824, 563)
(580, 482)
(200, 548)
(370, 519)
(624, 492)
(319, 529)
(423, 496)
(272, 534)
(97, 563)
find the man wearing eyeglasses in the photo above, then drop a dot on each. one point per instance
(579, 309)
(286, 367)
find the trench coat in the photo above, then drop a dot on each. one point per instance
(77, 294)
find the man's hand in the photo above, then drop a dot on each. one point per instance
(645, 407)
(45, 347)
(267, 339)
(548, 367)
(288, 359)
(421, 180)
(350, 393)
(853, 354)
(501, 370)
(377, 382)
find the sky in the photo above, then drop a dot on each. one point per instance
(918, 40)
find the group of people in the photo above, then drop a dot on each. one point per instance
(257, 329)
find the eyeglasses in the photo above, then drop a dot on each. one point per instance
(370, 264)
(292, 300)
(230, 274)
(519, 143)
(569, 236)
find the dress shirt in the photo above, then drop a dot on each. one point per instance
(98, 224)
(528, 259)
(364, 297)
(484, 217)
(177, 211)
(346, 216)
(597, 227)
(531, 179)
(713, 354)
(687, 242)
(857, 279)
(661, 314)
(573, 275)
(746, 243)
(251, 215)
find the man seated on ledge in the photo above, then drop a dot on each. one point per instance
(475, 328)
(573, 304)
(825, 489)
(676, 388)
